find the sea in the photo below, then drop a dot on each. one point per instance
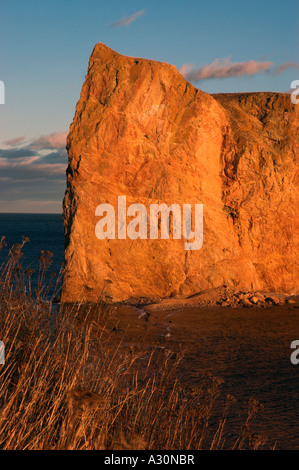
(45, 233)
(249, 349)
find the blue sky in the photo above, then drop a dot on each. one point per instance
(44, 53)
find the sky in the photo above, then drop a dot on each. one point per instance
(220, 46)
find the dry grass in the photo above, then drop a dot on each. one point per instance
(65, 385)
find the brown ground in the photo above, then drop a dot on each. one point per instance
(173, 322)
(246, 348)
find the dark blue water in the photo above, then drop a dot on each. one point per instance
(45, 232)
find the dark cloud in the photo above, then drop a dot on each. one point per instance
(40, 189)
(34, 172)
(60, 156)
(17, 153)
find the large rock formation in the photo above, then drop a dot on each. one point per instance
(142, 131)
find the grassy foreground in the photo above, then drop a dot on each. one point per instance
(65, 385)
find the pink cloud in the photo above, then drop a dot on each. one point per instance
(50, 141)
(285, 66)
(16, 141)
(224, 68)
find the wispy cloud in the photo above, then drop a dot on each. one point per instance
(126, 21)
(15, 141)
(224, 68)
(50, 141)
(285, 66)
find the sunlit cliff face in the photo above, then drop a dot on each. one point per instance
(141, 131)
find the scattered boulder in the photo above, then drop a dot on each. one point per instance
(272, 300)
(225, 303)
(259, 296)
(221, 297)
(246, 303)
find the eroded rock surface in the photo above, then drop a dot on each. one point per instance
(141, 130)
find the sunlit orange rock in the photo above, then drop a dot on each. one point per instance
(142, 131)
